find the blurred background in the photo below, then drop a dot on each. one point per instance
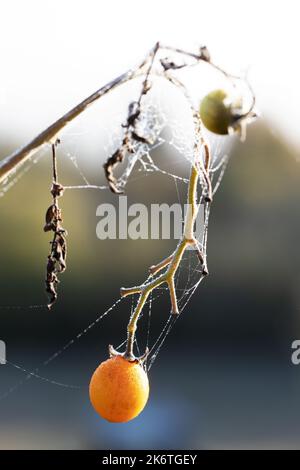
(224, 378)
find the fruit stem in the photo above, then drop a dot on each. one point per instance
(172, 262)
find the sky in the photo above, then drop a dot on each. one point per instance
(55, 53)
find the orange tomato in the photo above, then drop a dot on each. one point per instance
(119, 389)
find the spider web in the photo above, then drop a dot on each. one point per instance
(164, 127)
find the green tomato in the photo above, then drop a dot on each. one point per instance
(219, 112)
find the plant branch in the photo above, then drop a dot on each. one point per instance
(172, 263)
(200, 169)
(50, 134)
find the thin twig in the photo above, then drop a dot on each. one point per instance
(172, 262)
(49, 135)
(8, 164)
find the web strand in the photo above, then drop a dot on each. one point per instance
(58, 353)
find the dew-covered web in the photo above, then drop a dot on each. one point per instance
(167, 122)
(20, 171)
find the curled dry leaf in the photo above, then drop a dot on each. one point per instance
(131, 135)
(56, 262)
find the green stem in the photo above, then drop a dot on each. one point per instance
(174, 262)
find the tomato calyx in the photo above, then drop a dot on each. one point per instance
(129, 357)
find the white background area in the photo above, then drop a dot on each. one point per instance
(56, 52)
